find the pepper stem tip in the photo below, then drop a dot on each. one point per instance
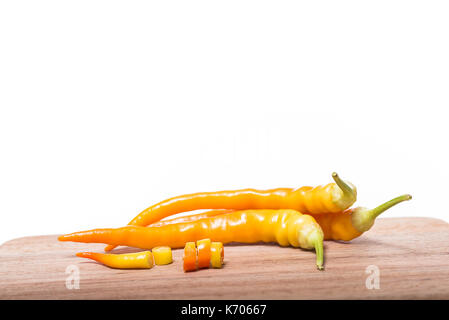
(349, 192)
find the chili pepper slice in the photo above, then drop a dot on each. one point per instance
(217, 254)
(162, 255)
(203, 247)
(190, 257)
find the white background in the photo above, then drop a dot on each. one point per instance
(110, 106)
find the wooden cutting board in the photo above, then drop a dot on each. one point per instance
(411, 254)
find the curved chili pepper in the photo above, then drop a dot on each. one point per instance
(137, 260)
(333, 197)
(285, 226)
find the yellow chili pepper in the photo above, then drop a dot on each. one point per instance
(217, 254)
(162, 255)
(333, 197)
(284, 226)
(138, 260)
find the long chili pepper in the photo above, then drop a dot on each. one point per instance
(138, 260)
(351, 223)
(284, 226)
(333, 197)
(345, 225)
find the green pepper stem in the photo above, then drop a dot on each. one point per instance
(319, 254)
(348, 191)
(363, 218)
(374, 213)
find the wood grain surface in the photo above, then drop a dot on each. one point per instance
(412, 255)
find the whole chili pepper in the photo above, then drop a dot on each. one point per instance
(344, 225)
(285, 226)
(333, 197)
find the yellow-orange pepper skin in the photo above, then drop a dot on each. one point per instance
(189, 218)
(138, 260)
(285, 226)
(338, 226)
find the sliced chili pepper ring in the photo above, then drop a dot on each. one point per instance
(190, 257)
(162, 255)
(217, 254)
(203, 247)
